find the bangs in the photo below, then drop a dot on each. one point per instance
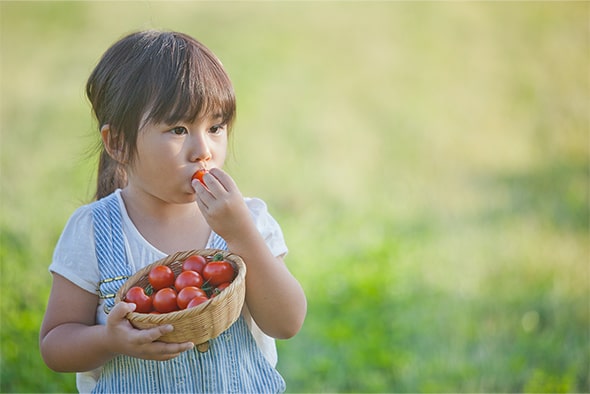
(188, 82)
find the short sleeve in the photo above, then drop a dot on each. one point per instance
(74, 256)
(268, 227)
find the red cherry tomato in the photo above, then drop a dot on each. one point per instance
(187, 294)
(199, 175)
(198, 300)
(137, 296)
(165, 300)
(188, 278)
(194, 263)
(217, 272)
(161, 276)
(219, 288)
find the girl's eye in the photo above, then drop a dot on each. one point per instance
(217, 129)
(180, 130)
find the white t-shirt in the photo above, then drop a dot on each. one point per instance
(74, 258)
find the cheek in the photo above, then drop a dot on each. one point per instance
(153, 160)
(221, 156)
(157, 148)
(221, 152)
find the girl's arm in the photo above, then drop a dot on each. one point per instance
(274, 297)
(71, 341)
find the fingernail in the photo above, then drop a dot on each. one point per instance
(196, 182)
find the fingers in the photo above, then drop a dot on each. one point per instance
(203, 197)
(149, 346)
(216, 180)
(121, 310)
(221, 203)
(196, 184)
(224, 180)
(143, 343)
(153, 334)
(218, 185)
(166, 351)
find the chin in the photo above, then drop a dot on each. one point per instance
(189, 196)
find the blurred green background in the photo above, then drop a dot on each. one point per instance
(428, 161)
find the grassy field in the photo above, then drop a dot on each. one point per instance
(428, 161)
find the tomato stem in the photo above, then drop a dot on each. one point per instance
(206, 286)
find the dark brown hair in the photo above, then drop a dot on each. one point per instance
(153, 76)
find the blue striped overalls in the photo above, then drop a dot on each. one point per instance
(233, 363)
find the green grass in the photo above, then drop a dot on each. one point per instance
(428, 161)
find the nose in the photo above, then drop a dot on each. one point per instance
(199, 148)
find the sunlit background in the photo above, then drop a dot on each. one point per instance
(428, 162)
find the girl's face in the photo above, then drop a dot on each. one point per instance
(168, 156)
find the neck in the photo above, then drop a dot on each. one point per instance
(170, 227)
(156, 209)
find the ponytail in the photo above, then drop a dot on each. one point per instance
(111, 175)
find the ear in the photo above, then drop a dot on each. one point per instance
(111, 144)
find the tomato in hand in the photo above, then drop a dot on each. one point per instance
(194, 263)
(161, 276)
(198, 300)
(165, 300)
(188, 278)
(217, 272)
(136, 295)
(187, 294)
(199, 175)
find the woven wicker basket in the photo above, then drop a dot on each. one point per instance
(203, 322)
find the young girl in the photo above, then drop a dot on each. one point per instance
(164, 106)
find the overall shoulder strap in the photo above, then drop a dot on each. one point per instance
(217, 242)
(110, 247)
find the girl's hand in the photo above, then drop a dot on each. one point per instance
(222, 204)
(144, 344)
(274, 298)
